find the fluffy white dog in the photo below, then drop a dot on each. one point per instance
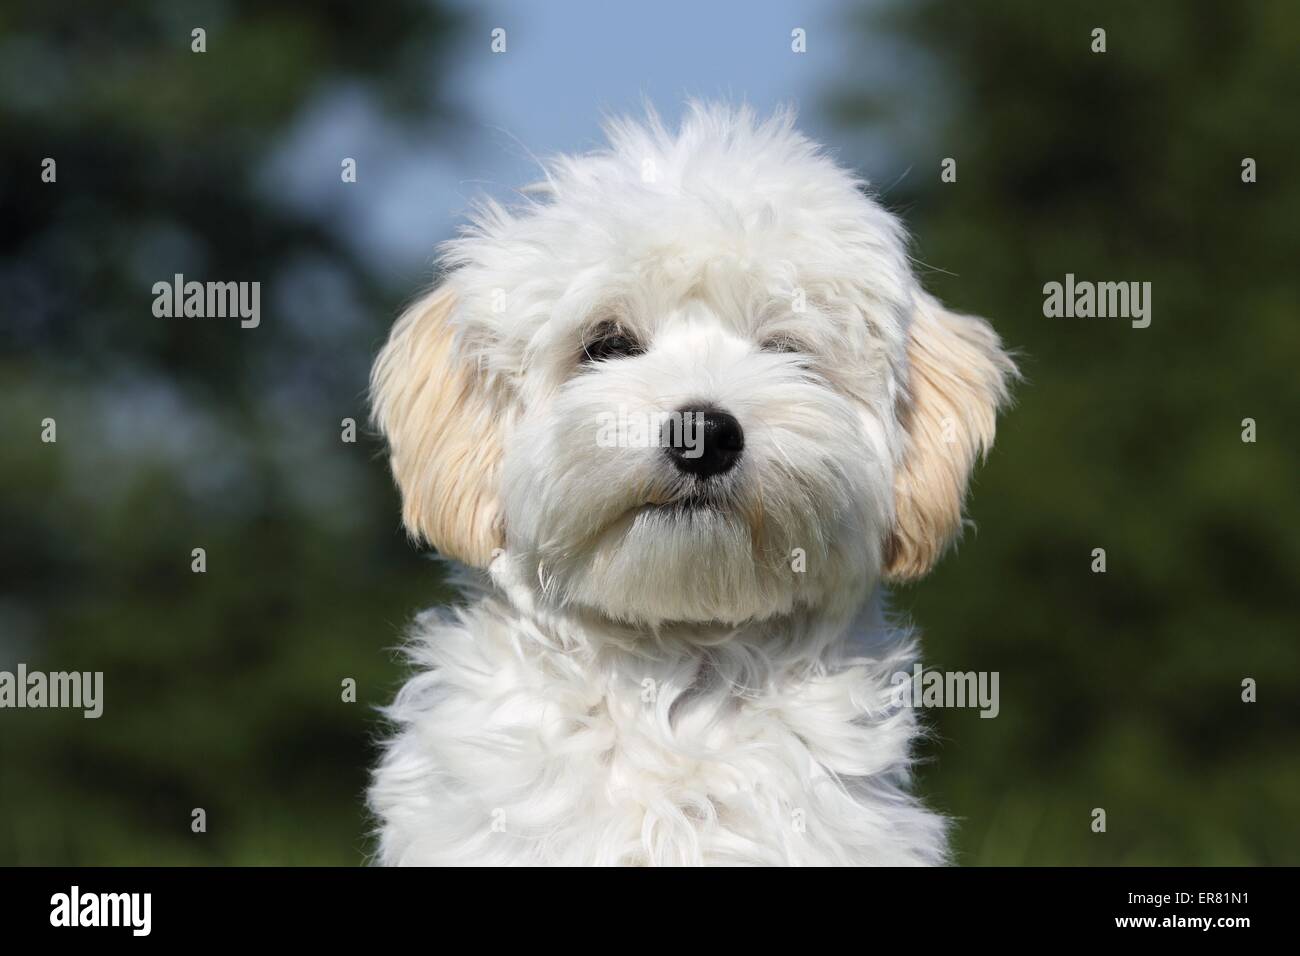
(675, 650)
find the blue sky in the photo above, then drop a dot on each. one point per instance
(567, 64)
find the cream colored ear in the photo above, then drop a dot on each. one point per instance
(958, 381)
(443, 434)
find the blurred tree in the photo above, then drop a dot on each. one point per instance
(223, 690)
(1119, 690)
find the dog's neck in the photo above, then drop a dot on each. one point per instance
(858, 626)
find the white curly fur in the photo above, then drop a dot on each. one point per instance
(632, 682)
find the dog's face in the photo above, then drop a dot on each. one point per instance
(695, 381)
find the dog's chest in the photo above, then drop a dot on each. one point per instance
(649, 772)
(515, 750)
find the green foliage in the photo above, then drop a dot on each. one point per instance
(222, 689)
(1119, 690)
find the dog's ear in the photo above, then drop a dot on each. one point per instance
(443, 432)
(958, 380)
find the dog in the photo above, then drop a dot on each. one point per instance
(675, 652)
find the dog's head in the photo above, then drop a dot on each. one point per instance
(694, 378)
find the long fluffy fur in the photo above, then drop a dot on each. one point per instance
(542, 738)
(633, 682)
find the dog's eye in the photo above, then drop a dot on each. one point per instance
(611, 343)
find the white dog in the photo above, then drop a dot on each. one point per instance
(675, 651)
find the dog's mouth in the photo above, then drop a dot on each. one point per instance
(703, 497)
(678, 510)
(702, 504)
(704, 510)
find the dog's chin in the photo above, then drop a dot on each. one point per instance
(690, 559)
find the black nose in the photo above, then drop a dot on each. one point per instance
(709, 442)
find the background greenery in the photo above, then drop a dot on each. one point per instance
(1119, 690)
